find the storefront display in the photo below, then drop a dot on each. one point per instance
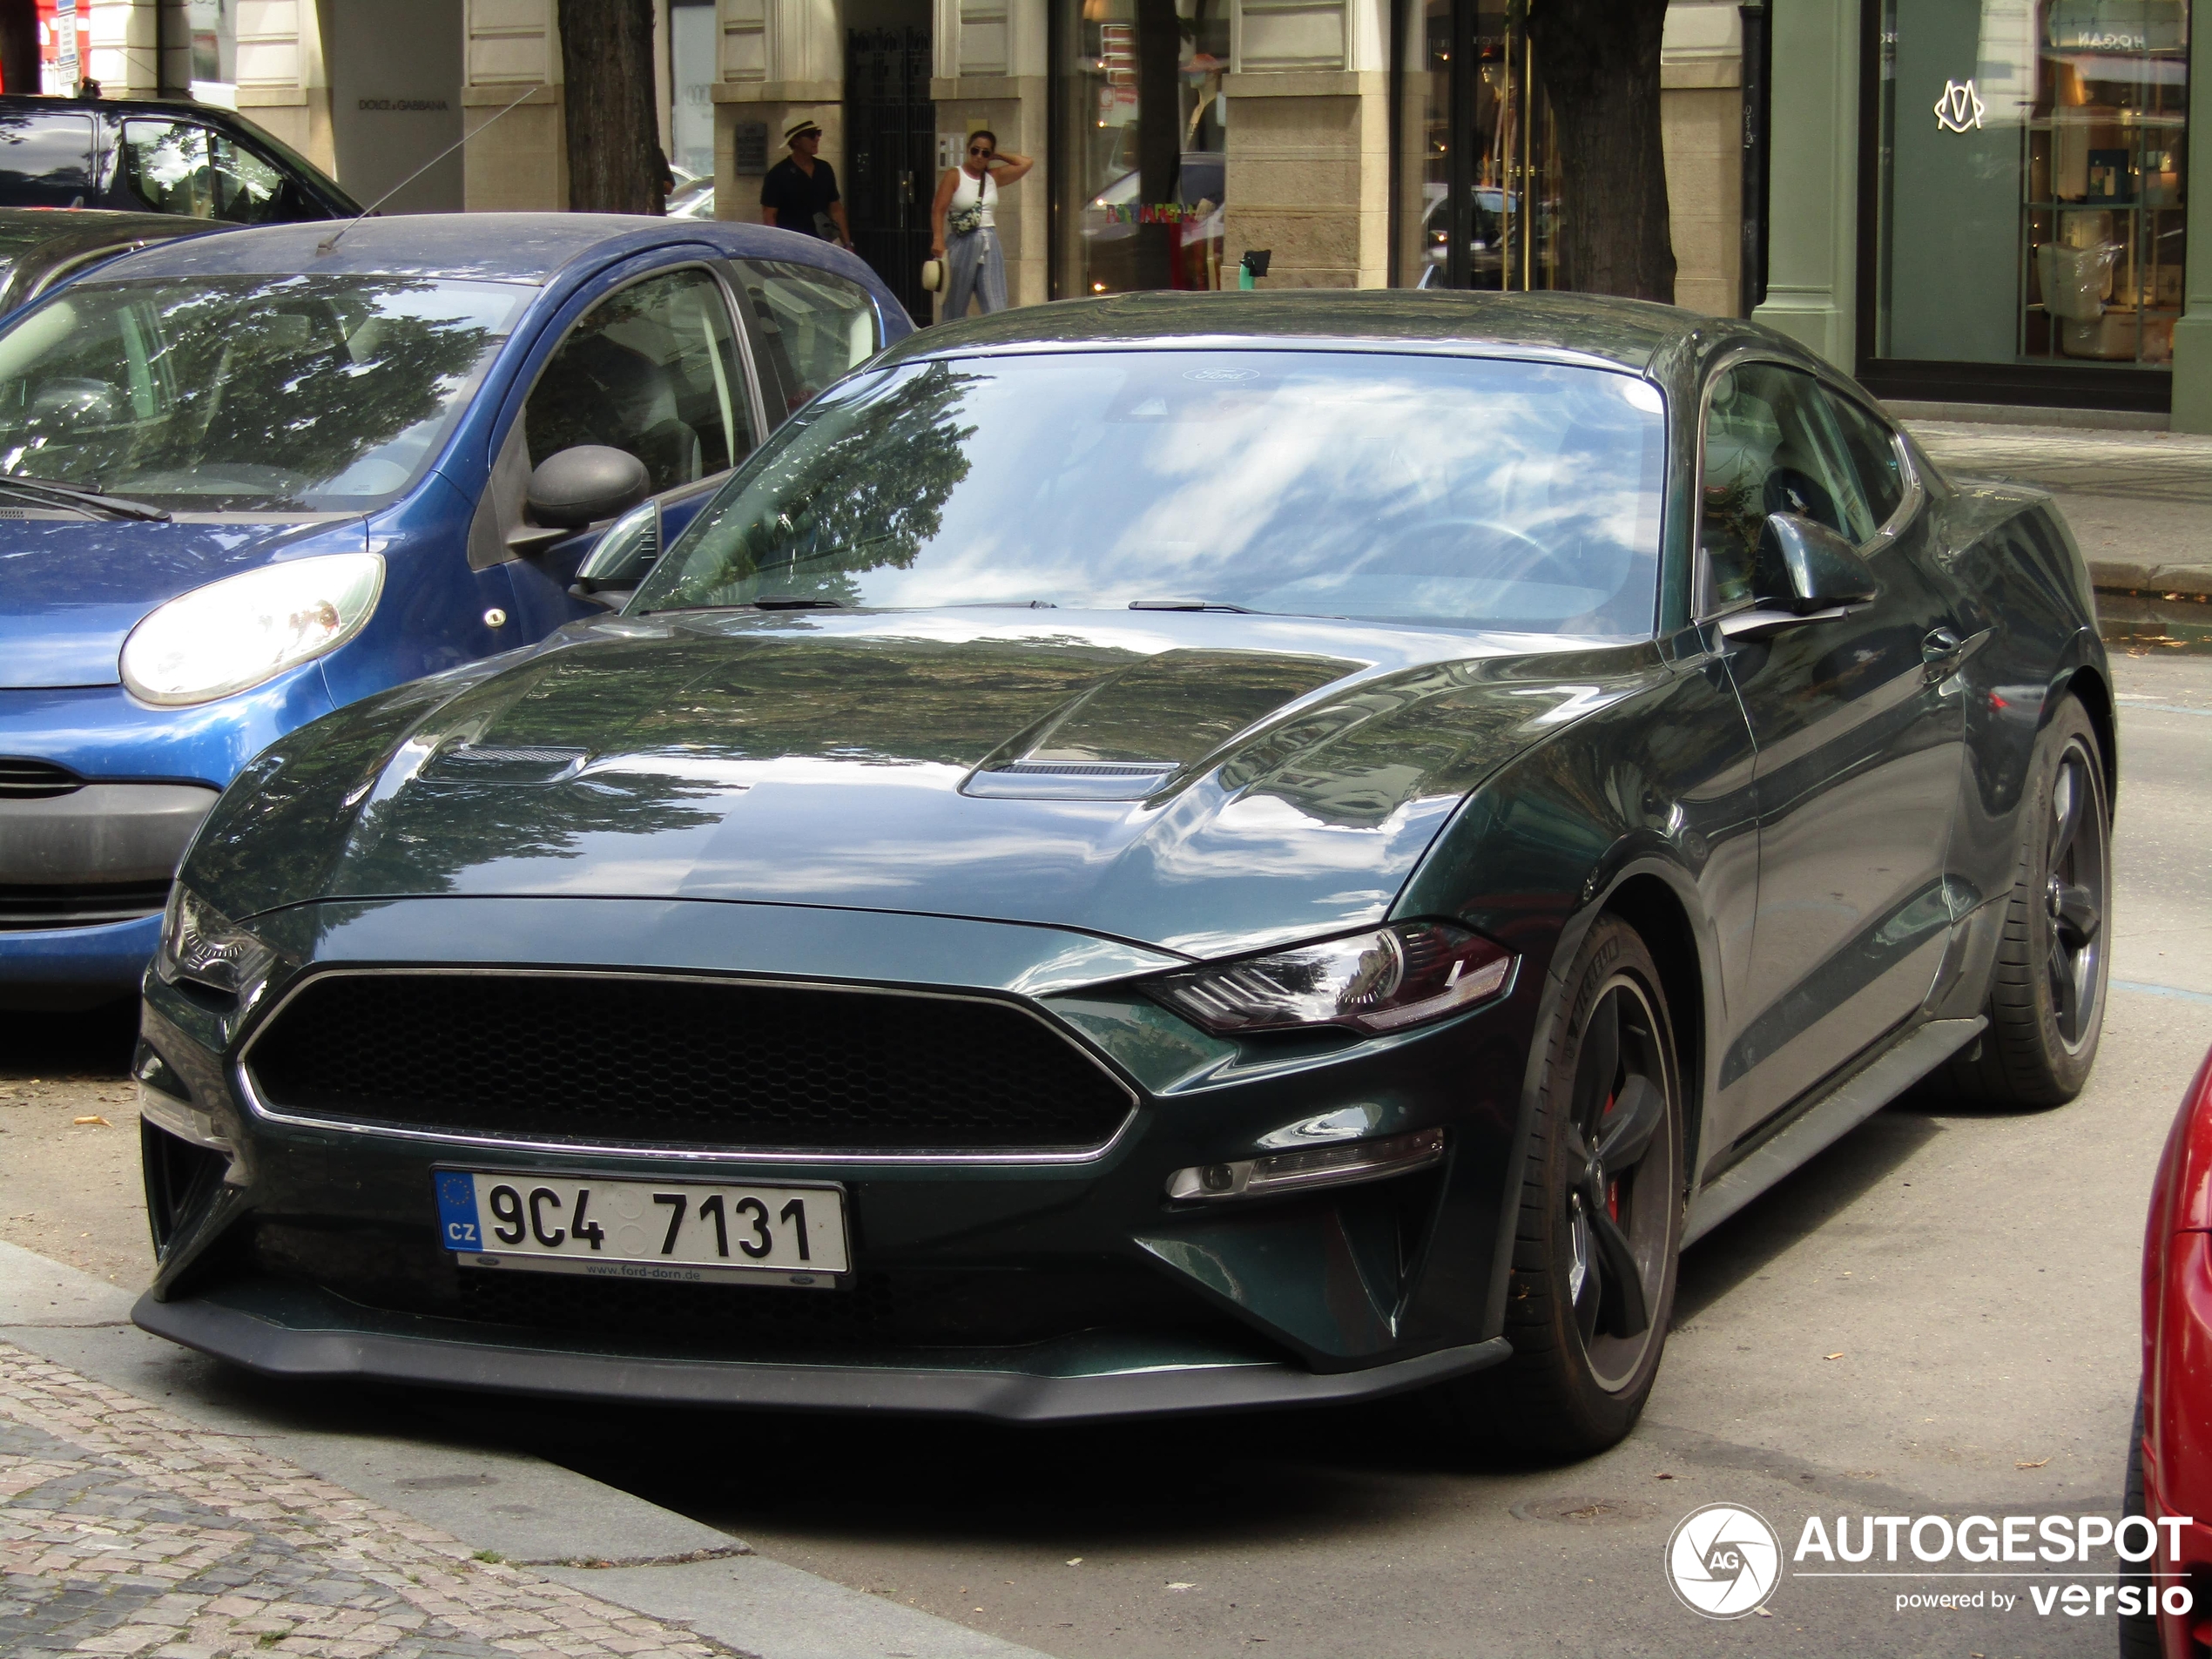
(1474, 197)
(2031, 197)
(1140, 145)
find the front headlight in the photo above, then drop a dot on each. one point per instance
(1395, 976)
(233, 633)
(202, 946)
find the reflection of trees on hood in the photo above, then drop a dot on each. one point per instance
(864, 487)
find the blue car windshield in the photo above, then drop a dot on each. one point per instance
(251, 394)
(1460, 492)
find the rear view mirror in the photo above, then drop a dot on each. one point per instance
(71, 404)
(580, 486)
(1804, 566)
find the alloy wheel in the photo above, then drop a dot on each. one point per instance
(2074, 897)
(1619, 1151)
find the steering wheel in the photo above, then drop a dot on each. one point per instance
(1534, 562)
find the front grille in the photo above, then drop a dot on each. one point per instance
(877, 1310)
(709, 1063)
(26, 907)
(35, 780)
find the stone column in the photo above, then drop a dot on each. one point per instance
(125, 55)
(1812, 211)
(1701, 126)
(520, 164)
(782, 62)
(991, 72)
(1309, 142)
(2193, 331)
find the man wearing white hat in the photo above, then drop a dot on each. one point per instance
(799, 193)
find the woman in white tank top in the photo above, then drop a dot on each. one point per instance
(964, 220)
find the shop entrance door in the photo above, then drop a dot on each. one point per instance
(891, 149)
(1477, 188)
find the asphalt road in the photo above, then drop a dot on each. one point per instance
(1938, 1316)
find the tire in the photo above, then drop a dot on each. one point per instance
(2046, 992)
(2139, 1636)
(1603, 1190)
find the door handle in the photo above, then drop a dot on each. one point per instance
(1943, 650)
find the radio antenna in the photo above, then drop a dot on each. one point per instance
(330, 241)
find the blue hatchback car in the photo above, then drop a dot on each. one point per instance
(246, 479)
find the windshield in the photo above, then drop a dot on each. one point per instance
(244, 393)
(1453, 491)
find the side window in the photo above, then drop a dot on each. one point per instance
(1873, 450)
(166, 166)
(247, 189)
(45, 161)
(1771, 446)
(817, 325)
(653, 369)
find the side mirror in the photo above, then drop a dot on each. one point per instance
(621, 558)
(580, 486)
(1805, 573)
(1804, 566)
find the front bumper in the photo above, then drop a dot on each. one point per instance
(305, 1335)
(1019, 1286)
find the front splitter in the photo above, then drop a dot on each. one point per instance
(1006, 1395)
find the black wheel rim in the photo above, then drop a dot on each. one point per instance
(1619, 1158)
(2074, 898)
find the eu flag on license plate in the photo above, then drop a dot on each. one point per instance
(457, 1211)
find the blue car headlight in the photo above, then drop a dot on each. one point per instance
(1384, 980)
(201, 947)
(231, 635)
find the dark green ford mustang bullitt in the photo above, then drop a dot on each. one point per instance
(1152, 855)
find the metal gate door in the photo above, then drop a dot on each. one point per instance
(892, 147)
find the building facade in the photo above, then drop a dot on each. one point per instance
(1986, 201)
(1960, 200)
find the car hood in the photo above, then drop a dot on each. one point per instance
(72, 589)
(1200, 784)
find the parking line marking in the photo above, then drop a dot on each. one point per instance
(2148, 989)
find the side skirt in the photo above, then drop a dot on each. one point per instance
(1854, 1100)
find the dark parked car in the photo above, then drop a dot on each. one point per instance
(39, 249)
(156, 156)
(1165, 853)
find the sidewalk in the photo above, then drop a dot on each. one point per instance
(212, 1524)
(125, 1530)
(2137, 502)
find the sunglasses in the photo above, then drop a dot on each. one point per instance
(978, 149)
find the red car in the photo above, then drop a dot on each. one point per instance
(2169, 1463)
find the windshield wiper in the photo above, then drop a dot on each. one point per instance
(54, 494)
(1192, 604)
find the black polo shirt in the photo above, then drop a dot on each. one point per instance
(797, 197)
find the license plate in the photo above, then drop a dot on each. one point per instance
(676, 1231)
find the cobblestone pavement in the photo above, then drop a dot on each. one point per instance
(125, 1530)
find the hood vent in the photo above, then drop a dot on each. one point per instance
(1070, 779)
(499, 763)
(35, 780)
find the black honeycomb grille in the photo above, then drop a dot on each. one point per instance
(682, 1063)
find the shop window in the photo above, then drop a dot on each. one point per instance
(1475, 199)
(1141, 146)
(651, 369)
(2031, 181)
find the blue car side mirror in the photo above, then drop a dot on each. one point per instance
(584, 484)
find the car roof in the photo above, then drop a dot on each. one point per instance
(22, 227)
(498, 247)
(1595, 328)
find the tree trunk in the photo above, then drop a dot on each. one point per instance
(614, 137)
(19, 45)
(1599, 60)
